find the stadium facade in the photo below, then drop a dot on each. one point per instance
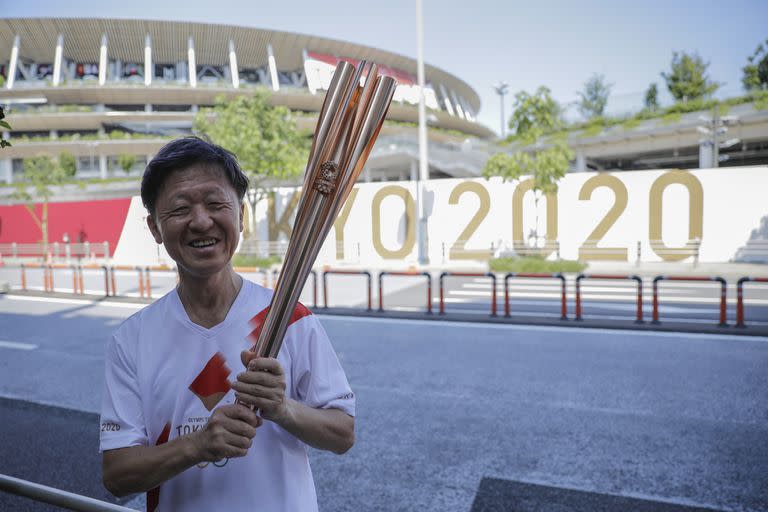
(102, 88)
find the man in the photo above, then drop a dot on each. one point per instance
(169, 420)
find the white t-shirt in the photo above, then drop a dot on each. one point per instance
(166, 374)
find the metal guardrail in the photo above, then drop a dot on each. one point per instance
(723, 294)
(403, 274)
(348, 273)
(490, 275)
(530, 275)
(57, 497)
(611, 277)
(740, 297)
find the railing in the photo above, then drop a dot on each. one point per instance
(611, 277)
(528, 275)
(347, 273)
(412, 274)
(56, 497)
(56, 251)
(468, 274)
(740, 297)
(723, 292)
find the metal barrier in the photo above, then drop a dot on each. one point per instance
(47, 275)
(469, 274)
(392, 273)
(139, 270)
(148, 280)
(106, 276)
(528, 275)
(740, 297)
(347, 273)
(613, 277)
(723, 290)
(56, 497)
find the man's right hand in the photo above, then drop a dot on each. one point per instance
(228, 433)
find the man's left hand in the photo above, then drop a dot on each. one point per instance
(262, 385)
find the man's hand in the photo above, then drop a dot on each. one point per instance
(228, 433)
(262, 385)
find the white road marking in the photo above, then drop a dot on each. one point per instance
(61, 300)
(17, 346)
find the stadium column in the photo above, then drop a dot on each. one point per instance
(57, 60)
(192, 65)
(273, 68)
(13, 63)
(233, 65)
(6, 166)
(447, 100)
(103, 60)
(581, 161)
(148, 60)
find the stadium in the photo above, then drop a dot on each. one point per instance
(100, 88)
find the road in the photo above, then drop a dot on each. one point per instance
(451, 416)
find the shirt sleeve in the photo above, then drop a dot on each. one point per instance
(318, 378)
(122, 421)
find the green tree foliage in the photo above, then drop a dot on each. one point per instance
(126, 162)
(756, 71)
(687, 79)
(594, 97)
(3, 126)
(652, 97)
(40, 173)
(535, 114)
(264, 137)
(68, 164)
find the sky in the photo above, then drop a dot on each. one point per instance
(559, 44)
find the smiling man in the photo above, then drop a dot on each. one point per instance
(169, 419)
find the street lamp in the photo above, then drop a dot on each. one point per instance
(502, 88)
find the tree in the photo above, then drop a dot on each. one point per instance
(3, 125)
(264, 138)
(126, 162)
(652, 97)
(40, 173)
(687, 79)
(535, 114)
(68, 164)
(756, 72)
(594, 97)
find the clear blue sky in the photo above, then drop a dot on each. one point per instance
(554, 43)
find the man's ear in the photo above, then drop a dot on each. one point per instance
(242, 215)
(154, 229)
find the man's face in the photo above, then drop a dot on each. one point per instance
(198, 217)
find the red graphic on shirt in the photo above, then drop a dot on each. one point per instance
(257, 322)
(153, 495)
(212, 383)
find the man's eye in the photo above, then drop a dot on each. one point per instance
(179, 211)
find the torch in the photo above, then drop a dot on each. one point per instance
(347, 127)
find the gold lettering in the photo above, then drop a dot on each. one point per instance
(457, 250)
(341, 221)
(518, 240)
(281, 225)
(410, 207)
(695, 215)
(589, 249)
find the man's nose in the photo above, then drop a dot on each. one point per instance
(201, 218)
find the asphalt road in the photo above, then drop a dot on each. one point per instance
(451, 416)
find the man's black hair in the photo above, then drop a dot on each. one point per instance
(183, 153)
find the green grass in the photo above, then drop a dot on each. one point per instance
(534, 265)
(250, 260)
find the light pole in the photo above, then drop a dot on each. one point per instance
(501, 89)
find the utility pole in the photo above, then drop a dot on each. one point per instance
(421, 222)
(710, 145)
(501, 89)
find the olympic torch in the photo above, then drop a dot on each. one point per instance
(347, 127)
